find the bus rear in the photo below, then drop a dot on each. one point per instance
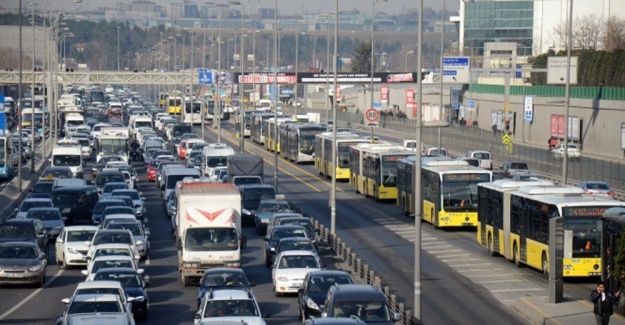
(174, 105)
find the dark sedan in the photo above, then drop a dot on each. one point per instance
(277, 233)
(133, 285)
(222, 278)
(315, 288)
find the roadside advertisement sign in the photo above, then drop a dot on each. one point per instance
(558, 127)
(410, 101)
(384, 94)
(528, 109)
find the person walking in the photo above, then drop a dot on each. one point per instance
(603, 299)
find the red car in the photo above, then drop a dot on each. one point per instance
(152, 169)
(182, 150)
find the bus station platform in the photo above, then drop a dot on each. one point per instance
(571, 311)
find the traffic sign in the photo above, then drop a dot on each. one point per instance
(372, 117)
(505, 139)
(528, 115)
(206, 76)
(556, 70)
(456, 69)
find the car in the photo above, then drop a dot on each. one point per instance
(485, 158)
(134, 285)
(334, 321)
(104, 286)
(294, 244)
(275, 219)
(76, 203)
(313, 292)
(102, 204)
(106, 176)
(228, 306)
(139, 232)
(290, 268)
(41, 190)
(30, 203)
(51, 219)
(109, 187)
(251, 195)
(109, 262)
(600, 189)
(573, 151)
(95, 170)
(90, 305)
(22, 263)
(510, 168)
(471, 161)
(71, 248)
(171, 204)
(117, 212)
(265, 210)
(137, 200)
(277, 233)
(222, 278)
(113, 236)
(26, 230)
(300, 221)
(364, 301)
(69, 182)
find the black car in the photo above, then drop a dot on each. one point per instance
(365, 301)
(251, 195)
(108, 176)
(133, 285)
(314, 289)
(277, 233)
(24, 230)
(76, 203)
(294, 244)
(222, 278)
(98, 211)
(41, 190)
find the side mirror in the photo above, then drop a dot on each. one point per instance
(243, 242)
(139, 242)
(396, 317)
(265, 238)
(146, 284)
(143, 198)
(65, 301)
(88, 243)
(84, 272)
(266, 315)
(140, 271)
(137, 257)
(197, 317)
(43, 256)
(147, 232)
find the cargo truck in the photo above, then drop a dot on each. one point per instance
(245, 169)
(208, 231)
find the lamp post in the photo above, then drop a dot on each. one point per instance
(417, 180)
(19, 87)
(335, 126)
(372, 59)
(241, 78)
(441, 112)
(253, 99)
(275, 89)
(406, 60)
(567, 96)
(118, 65)
(296, 69)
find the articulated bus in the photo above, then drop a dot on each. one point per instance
(193, 112)
(247, 130)
(613, 247)
(323, 153)
(379, 171)
(272, 138)
(174, 105)
(523, 227)
(211, 109)
(297, 141)
(162, 99)
(258, 131)
(357, 179)
(27, 118)
(6, 156)
(448, 188)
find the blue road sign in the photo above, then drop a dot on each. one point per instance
(3, 123)
(206, 77)
(456, 69)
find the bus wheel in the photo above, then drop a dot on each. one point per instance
(515, 252)
(545, 264)
(491, 246)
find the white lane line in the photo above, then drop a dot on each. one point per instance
(499, 281)
(475, 270)
(466, 265)
(491, 275)
(458, 259)
(432, 250)
(433, 241)
(30, 296)
(455, 255)
(516, 290)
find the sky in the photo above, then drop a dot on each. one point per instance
(284, 6)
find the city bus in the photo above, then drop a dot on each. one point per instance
(297, 141)
(162, 99)
(613, 248)
(212, 109)
(28, 114)
(247, 131)
(174, 105)
(96, 95)
(323, 153)
(258, 131)
(357, 178)
(193, 112)
(448, 189)
(524, 230)
(379, 168)
(272, 138)
(6, 156)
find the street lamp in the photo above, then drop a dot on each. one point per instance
(442, 105)
(275, 89)
(567, 96)
(406, 60)
(372, 29)
(241, 78)
(335, 125)
(253, 99)
(118, 66)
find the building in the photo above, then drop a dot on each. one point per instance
(530, 24)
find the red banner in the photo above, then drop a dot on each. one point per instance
(557, 126)
(410, 101)
(384, 94)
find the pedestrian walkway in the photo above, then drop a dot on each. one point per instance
(569, 312)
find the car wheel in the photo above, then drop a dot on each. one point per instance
(43, 280)
(64, 263)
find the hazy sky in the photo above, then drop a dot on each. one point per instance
(284, 6)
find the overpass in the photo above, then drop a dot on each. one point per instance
(103, 77)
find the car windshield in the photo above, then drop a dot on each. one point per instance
(110, 263)
(108, 188)
(57, 173)
(295, 245)
(44, 215)
(289, 232)
(127, 280)
(131, 194)
(320, 284)
(80, 235)
(27, 205)
(90, 307)
(64, 198)
(67, 160)
(103, 179)
(518, 166)
(112, 252)
(368, 311)
(274, 207)
(298, 262)
(112, 239)
(43, 187)
(225, 279)
(230, 308)
(597, 186)
(133, 227)
(17, 252)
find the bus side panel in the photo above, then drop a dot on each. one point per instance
(361, 185)
(342, 173)
(411, 204)
(481, 234)
(429, 212)
(500, 242)
(370, 187)
(535, 252)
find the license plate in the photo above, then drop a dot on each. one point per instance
(296, 285)
(13, 275)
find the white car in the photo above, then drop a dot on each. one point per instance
(573, 151)
(96, 309)
(137, 200)
(99, 287)
(113, 236)
(107, 262)
(71, 248)
(111, 250)
(290, 269)
(229, 306)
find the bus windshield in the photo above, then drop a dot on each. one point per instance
(112, 146)
(216, 161)
(175, 102)
(197, 108)
(389, 170)
(307, 142)
(181, 129)
(28, 117)
(459, 191)
(586, 236)
(66, 160)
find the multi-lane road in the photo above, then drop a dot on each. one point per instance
(461, 283)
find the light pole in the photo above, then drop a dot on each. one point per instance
(241, 78)
(275, 89)
(32, 112)
(296, 69)
(118, 65)
(372, 58)
(567, 96)
(19, 161)
(406, 60)
(334, 125)
(441, 112)
(160, 56)
(417, 180)
(253, 99)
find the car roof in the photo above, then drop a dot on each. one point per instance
(95, 297)
(231, 294)
(69, 189)
(297, 253)
(18, 244)
(30, 199)
(113, 258)
(117, 270)
(113, 231)
(44, 209)
(84, 228)
(98, 284)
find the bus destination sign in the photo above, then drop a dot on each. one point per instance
(466, 177)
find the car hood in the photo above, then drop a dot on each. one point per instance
(255, 320)
(79, 245)
(135, 292)
(15, 264)
(10, 239)
(49, 224)
(295, 273)
(317, 297)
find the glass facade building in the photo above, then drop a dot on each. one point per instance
(498, 21)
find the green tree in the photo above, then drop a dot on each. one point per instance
(361, 58)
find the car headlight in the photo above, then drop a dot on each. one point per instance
(265, 220)
(282, 278)
(311, 304)
(245, 211)
(191, 264)
(72, 250)
(35, 268)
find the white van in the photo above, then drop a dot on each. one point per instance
(68, 156)
(483, 156)
(215, 155)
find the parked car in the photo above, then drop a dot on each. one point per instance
(597, 188)
(573, 151)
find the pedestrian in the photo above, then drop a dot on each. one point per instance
(494, 128)
(603, 300)
(463, 122)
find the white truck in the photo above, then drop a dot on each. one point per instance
(208, 232)
(113, 141)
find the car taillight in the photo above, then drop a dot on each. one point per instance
(610, 193)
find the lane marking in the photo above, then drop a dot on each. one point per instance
(500, 281)
(31, 295)
(515, 290)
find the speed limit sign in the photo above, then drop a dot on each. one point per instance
(372, 116)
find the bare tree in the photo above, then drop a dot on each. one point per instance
(614, 37)
(588, 32)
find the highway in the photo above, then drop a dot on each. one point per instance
(461, 283)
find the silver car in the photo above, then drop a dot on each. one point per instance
(139, 232)
(22, 263)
